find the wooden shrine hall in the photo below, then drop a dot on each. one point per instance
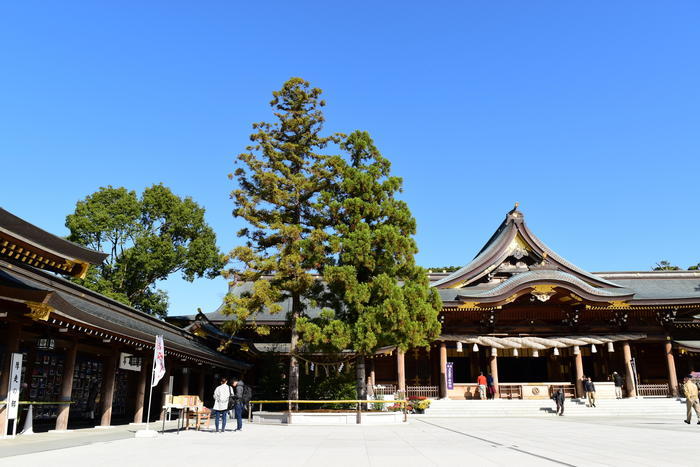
(86, 358)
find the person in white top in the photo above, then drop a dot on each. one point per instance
(221, 398)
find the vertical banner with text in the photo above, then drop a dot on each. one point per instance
(450, 375)
(14, 387)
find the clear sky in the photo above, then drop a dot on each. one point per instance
(587, 113)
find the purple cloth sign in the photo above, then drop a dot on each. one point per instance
(450, 375)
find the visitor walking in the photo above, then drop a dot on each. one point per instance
(238, 389)
(222, 393)
(589, 387)
(690, 391)
(481, 381)
(559, 399)
(491, 386)
(617, 380)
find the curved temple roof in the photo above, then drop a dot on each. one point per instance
(513, 236)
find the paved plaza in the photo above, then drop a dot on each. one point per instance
(423, 441)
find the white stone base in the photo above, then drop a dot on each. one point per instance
(104, 427)
(338, 418)
(60, 431)
(146, 434)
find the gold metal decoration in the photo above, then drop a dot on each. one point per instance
(543, 292)
(39, 311)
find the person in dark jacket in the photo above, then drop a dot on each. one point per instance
(491, 388)
(589, 387)
(559, 399)
(617, 379)
(238, 406)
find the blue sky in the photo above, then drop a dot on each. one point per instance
(586, 113)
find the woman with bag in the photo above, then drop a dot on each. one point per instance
(222, 394)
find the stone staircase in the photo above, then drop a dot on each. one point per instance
(660, 407)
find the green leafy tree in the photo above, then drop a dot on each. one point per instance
(147, 238)
(665, 266)
(380, 295)
(694, 267)
(280, 177)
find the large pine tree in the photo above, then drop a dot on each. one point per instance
(380, 295)
(280, 177)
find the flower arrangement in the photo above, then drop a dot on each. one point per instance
(418, 403)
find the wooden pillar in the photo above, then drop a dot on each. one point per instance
(165, 387)
(493, 365)
(14, 331)
(672, 378)
(443, 370)
(201, 385)
(185, 383)
(629, 377)
(578, 359)
(401, 370)
(146, 366)
(372, 373)
(108, 388)
(66, 387)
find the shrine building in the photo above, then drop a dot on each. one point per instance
(535, 322)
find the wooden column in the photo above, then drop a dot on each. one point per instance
(108, 388)
(401, 370)
(578, 359)
(185, 383)
(372, 374)
(493, 364)
(443, 370)
(629, 377)
(66, 386)
(146, 366)
(201, 385)
(672, 378)
(165, 388)
(14, 331)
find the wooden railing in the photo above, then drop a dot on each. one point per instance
(510, 391)
(385, 390)
(658, 390)
(569, 390)
(422, 391)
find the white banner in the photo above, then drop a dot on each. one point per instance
(158, 361)
(13, 393)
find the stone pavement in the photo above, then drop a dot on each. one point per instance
(423, 441)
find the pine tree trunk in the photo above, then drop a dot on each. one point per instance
(360, 381)
(293, 362)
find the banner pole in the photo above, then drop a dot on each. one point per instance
(150, 394)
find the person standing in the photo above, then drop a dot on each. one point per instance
(589, 387)
(559, 399)
(690, 391)
(491, 387)
(617, 379)
(238, 388)
(481, 381)
(222, 393)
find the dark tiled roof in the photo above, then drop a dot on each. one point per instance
(48, 241)
(83, 305)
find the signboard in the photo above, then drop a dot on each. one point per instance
(450, 375)
(14, 387)
(128, 362)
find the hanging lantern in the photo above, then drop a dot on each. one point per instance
(556, 351)
(494, 352)
(535, 353)
(593, 349)
(515, 352)
(611, 347)
(459, 346)
(475, 348)
(576, 350)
